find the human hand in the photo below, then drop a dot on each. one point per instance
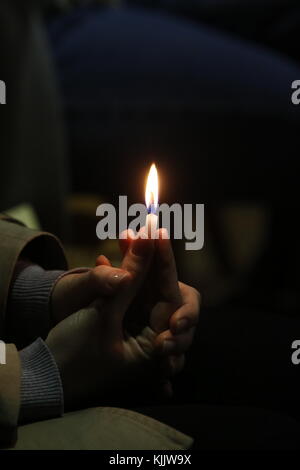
(170, 308)
(94, 354)
(78, 288)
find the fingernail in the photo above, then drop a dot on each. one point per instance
(168, 346)
(117, 277)
(182, 325)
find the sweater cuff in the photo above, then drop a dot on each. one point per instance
(29, 301)
(41, 387)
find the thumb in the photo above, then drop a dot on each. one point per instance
(166, 273)
(136, 262)
(126, 238)
(77, 289)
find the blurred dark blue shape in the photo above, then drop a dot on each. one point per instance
(213, 110)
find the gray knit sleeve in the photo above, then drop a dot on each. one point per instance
(41, 387)
(29, 315)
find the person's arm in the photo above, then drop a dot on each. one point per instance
(30, 388)
(29, 303)
(29, 316)
(10, 380)
(16, 242)
(45, 250)
(41, 388)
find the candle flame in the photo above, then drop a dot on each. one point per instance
(152, 190)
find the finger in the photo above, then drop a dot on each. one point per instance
(139, 256)
(102, 261)
(168, 344)
(188, 293)
(126, 238)
(166, 266)
(78, 290)
(160, 316)
(104, 280)
(165, 276)
(186, 316)
(136, 262)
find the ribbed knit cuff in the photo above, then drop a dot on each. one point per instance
(29, 302)
(41, 387)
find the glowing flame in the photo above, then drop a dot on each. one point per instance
(152, 190)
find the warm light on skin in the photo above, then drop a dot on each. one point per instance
(151, 195)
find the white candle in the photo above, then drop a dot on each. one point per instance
(151, 225)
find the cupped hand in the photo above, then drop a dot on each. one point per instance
(94, 354)
(169, 307)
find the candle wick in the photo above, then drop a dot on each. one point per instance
(152, 209)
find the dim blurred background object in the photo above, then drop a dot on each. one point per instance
(33, 166)
(199, 87)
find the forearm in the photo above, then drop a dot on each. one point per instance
(41, 387)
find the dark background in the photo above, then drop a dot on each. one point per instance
(96, 93)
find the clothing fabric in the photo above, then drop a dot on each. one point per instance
(35, 388)
(41, 387)
(29, 304)
(29, 315)
(45, 250)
